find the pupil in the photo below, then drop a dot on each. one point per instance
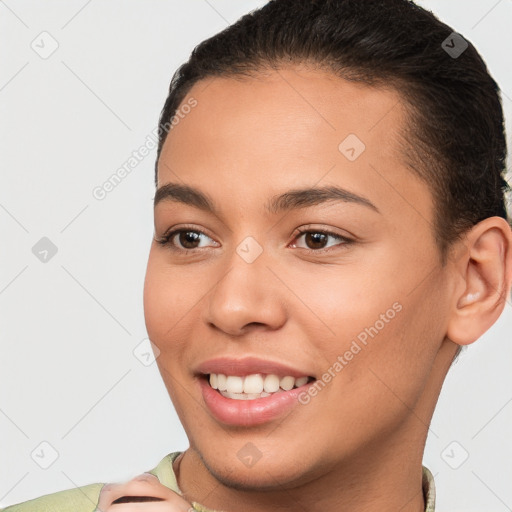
(188, 237)
(316, 238)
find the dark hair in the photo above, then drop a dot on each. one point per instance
(455, 137)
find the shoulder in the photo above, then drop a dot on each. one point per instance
(81, 499)
(85, 499)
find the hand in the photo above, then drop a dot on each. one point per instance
(135, 496)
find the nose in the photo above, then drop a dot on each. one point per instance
(247, 297)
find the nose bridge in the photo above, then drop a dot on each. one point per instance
(248, 292)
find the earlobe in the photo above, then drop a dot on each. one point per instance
(484, 273)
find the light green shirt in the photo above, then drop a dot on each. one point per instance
(85, 499)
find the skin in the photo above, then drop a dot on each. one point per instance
(358, 444)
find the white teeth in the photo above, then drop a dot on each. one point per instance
(244, 396)
(287, 383)
(300, 382)
(234, 384)
(221, 382)
(253, 383)
(253, 386)
(271, 384)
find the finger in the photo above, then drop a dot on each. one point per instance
(162, 506)
(127, 496)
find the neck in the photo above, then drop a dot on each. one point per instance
(376, 481)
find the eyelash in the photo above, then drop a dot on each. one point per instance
(166, 239)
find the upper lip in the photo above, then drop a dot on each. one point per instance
(248, 366)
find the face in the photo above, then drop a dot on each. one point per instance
(341, 284)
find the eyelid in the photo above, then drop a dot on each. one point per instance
(169, 234)
(166, 238)
(344, 240)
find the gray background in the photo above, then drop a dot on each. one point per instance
(70, 325)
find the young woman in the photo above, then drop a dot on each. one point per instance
(330, 231)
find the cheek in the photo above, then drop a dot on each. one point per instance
(399, 349)
(153, 305)
(172, 302)
(163, 308)
(386, 331)
(161, 304)
(337, 307)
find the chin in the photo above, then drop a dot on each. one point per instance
(263, 475)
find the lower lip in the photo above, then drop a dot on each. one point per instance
(249, 412)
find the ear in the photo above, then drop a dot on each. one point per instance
(483, 280)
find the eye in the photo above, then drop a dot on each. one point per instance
(183, 239)
(188, 239)
(316, 239)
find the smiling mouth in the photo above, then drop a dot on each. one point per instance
(254, 386)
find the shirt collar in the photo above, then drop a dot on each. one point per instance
(429, 490)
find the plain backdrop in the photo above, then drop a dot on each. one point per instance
(81, 86)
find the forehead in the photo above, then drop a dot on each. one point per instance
(296, 109)
(309, 99)
(292, 126)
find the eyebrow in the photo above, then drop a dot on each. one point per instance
(292, 200)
